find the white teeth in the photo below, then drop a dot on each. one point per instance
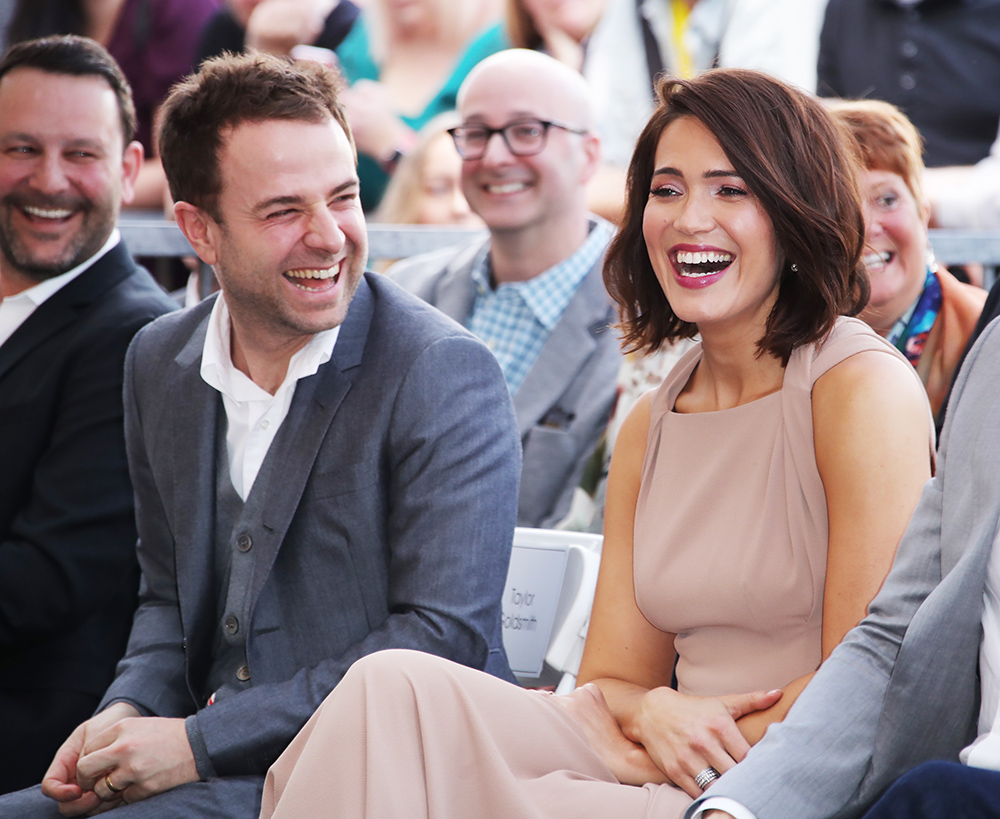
(692, 275)
(506, 187)
(703, 257)
(47, 213)
(325, 273)
(876, 260)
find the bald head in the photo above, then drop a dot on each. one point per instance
(555, 89)
(531, 117)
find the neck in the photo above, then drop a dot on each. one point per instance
(731, 373)
(520, 255)
(12, 281)
(261, 359)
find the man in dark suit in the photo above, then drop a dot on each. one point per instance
(324, 466)
(72, 300)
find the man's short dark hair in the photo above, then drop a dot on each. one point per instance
(76, 57)
(799, 164)
(226, 92)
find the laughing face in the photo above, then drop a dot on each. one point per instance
(896, 247)
(538, 194)
(63, 171)
(710, 242)
(290, 245)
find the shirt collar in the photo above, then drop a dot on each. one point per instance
(548, 293)
(44, 290)
(218, 371)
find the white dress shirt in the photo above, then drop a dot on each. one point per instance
(14, 310)
(254, 415)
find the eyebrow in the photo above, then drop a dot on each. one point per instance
(296, 199)
(719, 174)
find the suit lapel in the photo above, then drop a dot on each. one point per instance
(193, 439)
(289, 462)
(455, 292)
(65, 306)
(566, 350)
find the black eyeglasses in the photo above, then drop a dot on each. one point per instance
(523, 137)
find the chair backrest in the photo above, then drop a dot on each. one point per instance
(547, 599)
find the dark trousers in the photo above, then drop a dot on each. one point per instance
(941, 790)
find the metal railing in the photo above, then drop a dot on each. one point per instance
(147, 236)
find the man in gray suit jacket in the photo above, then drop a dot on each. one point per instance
(533, 291)
(324, 466)
(903, 686)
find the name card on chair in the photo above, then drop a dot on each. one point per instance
(530, 600)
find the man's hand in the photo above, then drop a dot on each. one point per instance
(60, 780)
(627, 760)
(142, 756)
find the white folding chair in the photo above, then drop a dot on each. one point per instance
(547, 601)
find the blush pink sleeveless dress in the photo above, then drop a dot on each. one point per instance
(730, 555)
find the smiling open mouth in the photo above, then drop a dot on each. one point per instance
(695, 264)
(875, 261)
(313, 280)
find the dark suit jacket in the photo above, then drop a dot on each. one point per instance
(68, 575)
(389, 504)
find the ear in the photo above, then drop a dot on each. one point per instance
(200, 229)
(925, 211)
(132, 159)
(592, 153)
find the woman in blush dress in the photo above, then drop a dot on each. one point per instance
(754, 503)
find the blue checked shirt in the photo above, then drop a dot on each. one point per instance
(515, 319)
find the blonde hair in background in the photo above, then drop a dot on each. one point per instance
(401, 200)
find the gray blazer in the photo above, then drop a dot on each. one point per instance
(563, 404)
(903, 686)
(387, 519)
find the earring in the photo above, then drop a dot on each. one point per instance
(795, 268)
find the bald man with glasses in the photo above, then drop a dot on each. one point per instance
(533, 289)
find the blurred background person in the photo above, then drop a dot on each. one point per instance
(152, 40)
(621, 46)
(936, 60)
(915, 303)
(426, 188)
(276, 26)
(404, 61)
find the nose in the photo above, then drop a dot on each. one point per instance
(324, 233)
(873, 221)
(695, 214)
(496, 152)
(49, 175)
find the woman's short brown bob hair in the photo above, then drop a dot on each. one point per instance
(794, 159)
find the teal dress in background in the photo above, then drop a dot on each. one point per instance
(356, 63)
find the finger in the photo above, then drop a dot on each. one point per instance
(111, 786)
(92, 767)
(740, 705)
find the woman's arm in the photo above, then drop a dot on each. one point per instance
(871, 431)
(631, 661)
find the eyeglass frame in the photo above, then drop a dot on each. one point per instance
(502, 130)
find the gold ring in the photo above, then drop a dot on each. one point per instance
(112, 788)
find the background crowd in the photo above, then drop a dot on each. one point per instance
(595, 159)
